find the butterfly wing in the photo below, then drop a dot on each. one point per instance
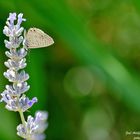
(36, 38)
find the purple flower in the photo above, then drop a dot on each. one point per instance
(12, 76)
(34, 127)
(17, 104)
(14, 31)
(20, 19)
(14, 94)
(11, 19)
(16, 55)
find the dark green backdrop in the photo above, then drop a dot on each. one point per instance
(89, 80)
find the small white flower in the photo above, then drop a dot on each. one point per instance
(17, 104)
(16, 55)
(34, 127)
(13, 76)
(16, 65)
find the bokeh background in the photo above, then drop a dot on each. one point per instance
(89, 80)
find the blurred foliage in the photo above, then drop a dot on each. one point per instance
(89, 80)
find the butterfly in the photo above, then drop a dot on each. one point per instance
(36, 38)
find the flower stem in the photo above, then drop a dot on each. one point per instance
(22, 117)
(23, 120)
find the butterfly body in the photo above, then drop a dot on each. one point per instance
(36, 38)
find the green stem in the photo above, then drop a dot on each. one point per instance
(23, 120)
(22, 117)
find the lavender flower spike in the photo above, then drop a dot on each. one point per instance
(34, 127)
(14, 94)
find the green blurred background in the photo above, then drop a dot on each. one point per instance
(89, 80)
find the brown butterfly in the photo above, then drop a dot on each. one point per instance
(36, 38)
